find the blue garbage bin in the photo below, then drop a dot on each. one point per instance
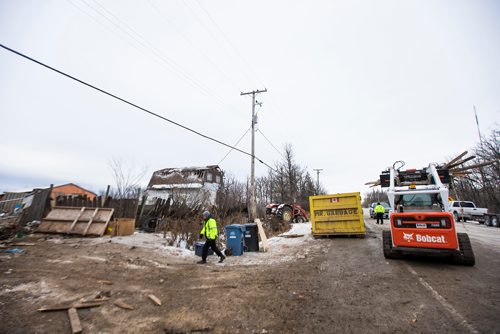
(235, 238)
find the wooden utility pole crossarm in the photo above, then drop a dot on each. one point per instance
(252, 209)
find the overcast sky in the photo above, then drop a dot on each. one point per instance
(353, 86)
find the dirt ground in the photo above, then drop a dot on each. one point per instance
(301, 285)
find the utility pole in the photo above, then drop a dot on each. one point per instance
(317, 179)
(252, 210)
(477, 123)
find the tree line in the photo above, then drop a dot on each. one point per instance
(482, 185)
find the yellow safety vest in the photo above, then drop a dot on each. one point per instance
(209, 230)
(379, 208)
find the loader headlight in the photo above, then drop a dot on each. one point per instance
(399, 222)
(443, 222)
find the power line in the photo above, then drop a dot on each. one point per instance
(271, 144)
(193, 45)
(154, 51)
(186, 4)
(228, 41)
(234, 145)
(129, 103)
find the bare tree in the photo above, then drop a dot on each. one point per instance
(231, 196)
(482, 184)
(376, 195)
(288, 182)
(127, 179)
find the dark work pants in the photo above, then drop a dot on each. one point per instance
(380, 216)
(210, 244)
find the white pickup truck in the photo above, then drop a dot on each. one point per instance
(464, 210)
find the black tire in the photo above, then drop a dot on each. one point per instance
(387, 244)
(300, 219)
(465, 255)
(487, 221)
(149, 224)
(494, 221)
(286, 214)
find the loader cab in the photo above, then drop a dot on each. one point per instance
(423, 202)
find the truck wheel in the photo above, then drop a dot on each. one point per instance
(465, 255)
(494, 221)
(286, 214)
(487, 221)
(387, 244)
(299, 220)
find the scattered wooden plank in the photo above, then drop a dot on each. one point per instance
(71, 220)
(155, 299)
(68, 306)
(90, 221)
(262, 235)
(94, 300)
(105, 282)
(291, 235)
(23, 244)
(76, 326)
(120, 303)
(76, 220)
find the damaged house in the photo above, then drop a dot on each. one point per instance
(193, 185)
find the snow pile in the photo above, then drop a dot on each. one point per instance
(280, 248)
(154, 241)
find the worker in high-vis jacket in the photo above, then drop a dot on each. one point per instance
(379, 212)
(209, 231)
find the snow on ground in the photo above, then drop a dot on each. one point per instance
(486, 235)
(280, 249)
(154, 241)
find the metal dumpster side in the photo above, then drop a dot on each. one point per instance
(337, 214)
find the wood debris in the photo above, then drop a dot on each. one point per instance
(76, 326)
(155, 299)
(291, 235)
(120, 303)
(68, 306)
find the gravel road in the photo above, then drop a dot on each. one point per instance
(321, 286)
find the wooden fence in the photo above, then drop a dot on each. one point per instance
(124, 207)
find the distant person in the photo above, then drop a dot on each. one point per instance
(379, 212)
(209, 231)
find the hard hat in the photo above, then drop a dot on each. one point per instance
(206, 214)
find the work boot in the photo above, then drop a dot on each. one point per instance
(201, 262)
(222, 258)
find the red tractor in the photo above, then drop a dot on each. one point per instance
(293, 213)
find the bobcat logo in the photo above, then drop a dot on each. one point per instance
(408, 236)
